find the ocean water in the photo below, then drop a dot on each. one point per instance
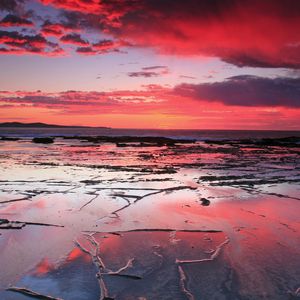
(187, 134)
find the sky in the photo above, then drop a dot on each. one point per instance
(165, 64)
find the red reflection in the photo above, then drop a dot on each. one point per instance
(76, 254)
(44, 267)
(264, 219)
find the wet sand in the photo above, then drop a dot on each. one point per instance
(104, 218)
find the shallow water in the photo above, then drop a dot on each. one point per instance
(133, 225)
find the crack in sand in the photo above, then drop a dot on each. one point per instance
(30, 293)
(214, 255)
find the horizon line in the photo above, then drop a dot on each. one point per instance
(128, 128)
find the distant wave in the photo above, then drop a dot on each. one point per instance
(184, 134)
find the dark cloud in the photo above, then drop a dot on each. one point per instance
(152, 71)
(146, 74)
(289, 58)
(12, 20)
(55, 29)
(155, 68)
(86, 51)
(15, 38)
(17, 43)
(62, 99)
(74, 38)
(9, 5)
(104, 45)
(32, 50)
(101, 47)
(187, 77)
(4, 50)
(246, 90)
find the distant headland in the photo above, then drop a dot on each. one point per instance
(42, 125)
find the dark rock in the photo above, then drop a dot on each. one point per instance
(124, 141)
(205, 202)
(43, 140)
(5, 138)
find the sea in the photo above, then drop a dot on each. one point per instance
(178, 134)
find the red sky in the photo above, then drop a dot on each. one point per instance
(219, 64)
